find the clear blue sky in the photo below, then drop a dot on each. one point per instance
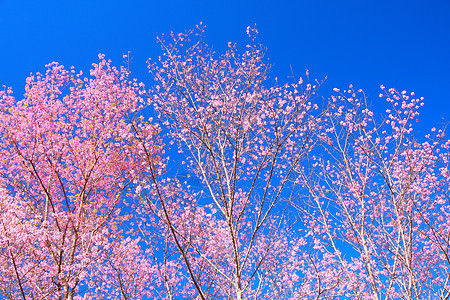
(401, 44)
(398, 43)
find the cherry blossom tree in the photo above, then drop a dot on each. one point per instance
(69, 156)
(234, 233)
(379, 198)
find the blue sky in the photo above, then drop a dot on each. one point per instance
(401, 44)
